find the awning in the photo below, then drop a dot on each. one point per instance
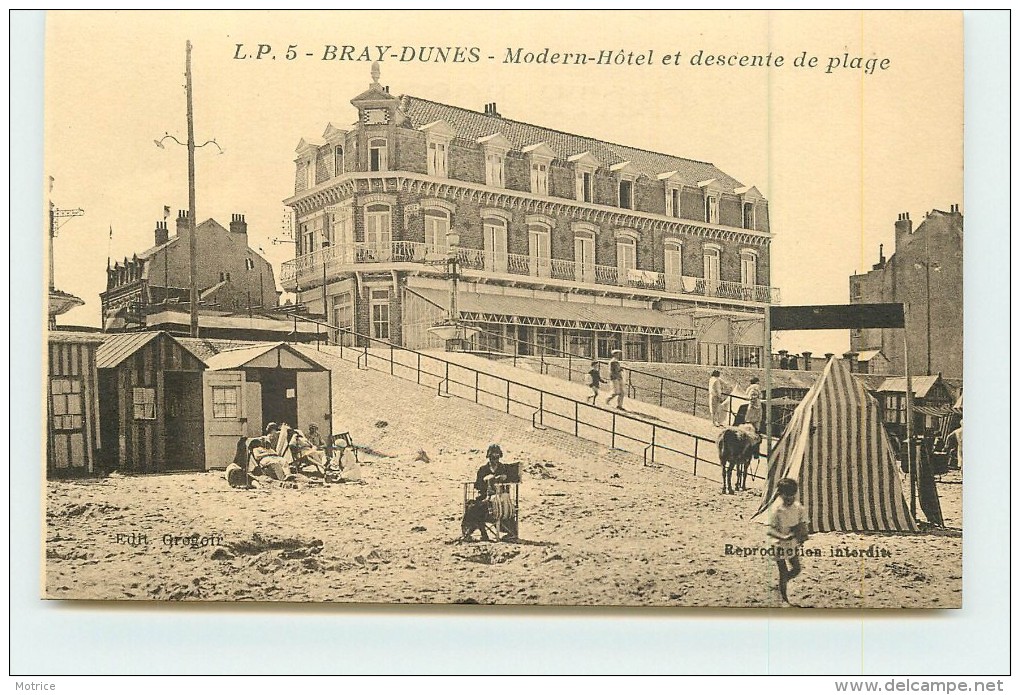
(931, 411)
(502, 308)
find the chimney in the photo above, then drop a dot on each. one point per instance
(807, 360)
(903, 226)
(238, 225)
(162, 234)
(829, 356)
(490, 110)
(851, 358)
(182, 222)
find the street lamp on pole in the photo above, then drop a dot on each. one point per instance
(452, 330)
(190, 144)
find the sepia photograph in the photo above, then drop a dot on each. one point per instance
(516, 308)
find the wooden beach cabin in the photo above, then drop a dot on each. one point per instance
(150, 399)
(72, 404)
(247, 387)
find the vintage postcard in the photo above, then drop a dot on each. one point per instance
(540, 308)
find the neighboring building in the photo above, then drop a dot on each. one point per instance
(925, 273)
(933, 399)
(565, 242)
(152, 289)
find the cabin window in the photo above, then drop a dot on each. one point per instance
(66, 402)
(143, 402)
(225, 400)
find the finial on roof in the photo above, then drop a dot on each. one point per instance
(375, 74)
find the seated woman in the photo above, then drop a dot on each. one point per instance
(309, 449)
(492, 501)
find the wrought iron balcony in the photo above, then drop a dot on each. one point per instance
(307, 270)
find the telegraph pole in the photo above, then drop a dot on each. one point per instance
(192, 220)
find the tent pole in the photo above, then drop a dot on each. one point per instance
(910, 414)
(768, 376)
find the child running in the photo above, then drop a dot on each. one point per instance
(788, 529)
(593, 379)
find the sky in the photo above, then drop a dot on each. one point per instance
(838, 150)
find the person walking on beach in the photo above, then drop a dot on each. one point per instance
(616, 379)
(593, 379)
(716, 398)
(788, 529)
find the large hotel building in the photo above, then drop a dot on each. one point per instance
(563, 242)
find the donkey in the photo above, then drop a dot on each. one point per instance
(736, 447)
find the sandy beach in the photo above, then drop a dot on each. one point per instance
(598, 527)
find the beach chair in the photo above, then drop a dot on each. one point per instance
(504, 509)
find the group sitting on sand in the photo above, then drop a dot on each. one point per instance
(284, 454)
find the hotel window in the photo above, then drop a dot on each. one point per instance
(626, 256)
(540, 178)
(584, 187)
(377, 227)
(377, 159)
(584, 258)
(712, 209)
(748, 215)
(343, 318)
(494, 241)
(437, 159)
(748, 267)
(673, 265)
(65, 404)
(143, 403)
(672, 202)
(711, 269)
(380, 312)
(338, 161)
(627, 194)
(225, 402)
(437, 226)
(539, 250)
(343, 229)
(494, 170)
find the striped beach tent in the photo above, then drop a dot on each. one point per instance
(837, 450)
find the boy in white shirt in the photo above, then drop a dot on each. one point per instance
(788, 529)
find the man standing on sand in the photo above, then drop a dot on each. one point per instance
(616, 379)
(716, 398)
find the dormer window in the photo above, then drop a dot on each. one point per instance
(540, 155)
(377, 155)
(495, 147)
(627, 194)
(438, 136)
(627, 174)
(712, 209)
(584, 166)
(309, 174)
(494, 170)
(748, 215)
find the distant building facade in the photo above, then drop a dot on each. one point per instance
(564, 242)
(925, 273)
(152, 289)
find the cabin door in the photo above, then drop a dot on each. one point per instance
(226, 417)
(313, 401)
(185, 443)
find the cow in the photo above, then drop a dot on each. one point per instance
(736, 447)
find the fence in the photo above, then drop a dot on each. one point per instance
(656, 444)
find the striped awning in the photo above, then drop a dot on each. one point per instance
(837, 450)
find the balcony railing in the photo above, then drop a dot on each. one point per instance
(334, 259)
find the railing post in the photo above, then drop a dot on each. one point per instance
(418, 370)
(541, 407)
(696, 440)
(612, 444)
(508, 396)
(662, 383)
(576, 425)
(476, 385)
(570, 366)
(391, 359)
(654, 428)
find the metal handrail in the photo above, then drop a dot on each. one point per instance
(651, 445)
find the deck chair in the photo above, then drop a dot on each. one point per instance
(303, 454)
(503, 505)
